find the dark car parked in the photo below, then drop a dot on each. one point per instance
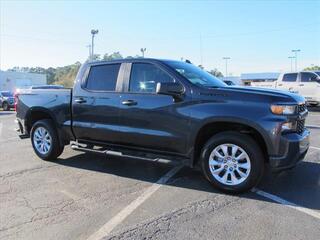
(169, 111)
(6, 100)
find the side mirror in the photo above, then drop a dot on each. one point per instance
(170, 88)
(315, 79)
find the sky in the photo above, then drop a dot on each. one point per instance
(258, 36)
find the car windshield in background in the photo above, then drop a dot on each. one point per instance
(196, 75)
(318, 73)
(7, 94)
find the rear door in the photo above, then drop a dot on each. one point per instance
(149, 120)
(95, 104)
(289, 82)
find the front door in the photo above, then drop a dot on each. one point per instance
(95, 105)
(149, 120)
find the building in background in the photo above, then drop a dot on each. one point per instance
(247, 78)
(10, 81)
(234, 79)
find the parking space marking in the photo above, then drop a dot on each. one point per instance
(317, 148)
(313, 126)
(124, 213)
(287, 203)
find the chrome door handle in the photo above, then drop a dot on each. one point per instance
(80, 100)
(129, 102)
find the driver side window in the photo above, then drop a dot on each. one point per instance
(144, 78)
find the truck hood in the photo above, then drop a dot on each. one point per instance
(278, 94)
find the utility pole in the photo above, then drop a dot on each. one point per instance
(296, 57)
(226, 59)
(143, 50)
(93, 32)
(291, 57)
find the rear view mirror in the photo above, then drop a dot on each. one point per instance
(170, 88)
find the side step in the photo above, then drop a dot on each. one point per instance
(153, 158)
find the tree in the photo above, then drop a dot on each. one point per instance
(215, 72)
(312, 68)
(113, 56)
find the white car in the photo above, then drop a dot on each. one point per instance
(303, 83)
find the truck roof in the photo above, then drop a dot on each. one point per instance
(131, 60)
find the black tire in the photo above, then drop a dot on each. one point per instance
(56, 148)
(5, 106)
(313, 104)
(249, 146)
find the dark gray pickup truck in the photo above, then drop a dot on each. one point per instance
(169, 111)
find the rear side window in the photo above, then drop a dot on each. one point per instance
(308, 77)
(144, 77)
(290, 77)
(103, 77)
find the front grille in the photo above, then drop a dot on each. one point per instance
(300, 126)
(302, 108)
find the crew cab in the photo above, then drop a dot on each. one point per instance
(171, 112)
(304, 83)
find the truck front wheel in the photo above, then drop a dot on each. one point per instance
(45, 141)
(232, 162)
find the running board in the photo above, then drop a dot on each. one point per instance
(82, 148)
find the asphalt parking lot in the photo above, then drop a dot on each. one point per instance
(86, 196)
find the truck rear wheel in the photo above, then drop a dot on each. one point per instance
(232, 162)
(45, 141)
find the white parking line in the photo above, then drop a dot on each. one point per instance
(287, 203)
(317, 148)
(312, 126)
(124, 213)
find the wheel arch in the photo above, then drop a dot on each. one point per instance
(212, 127)
(35, 114)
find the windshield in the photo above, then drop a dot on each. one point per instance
(7, 94)
(196, 75)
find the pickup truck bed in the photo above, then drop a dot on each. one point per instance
(54, 104)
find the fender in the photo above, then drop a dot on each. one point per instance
(235, 120)
(47, 112)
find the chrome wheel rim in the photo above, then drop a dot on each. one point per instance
(42, 140)
(229, 164)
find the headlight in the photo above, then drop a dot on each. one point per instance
(283, 109)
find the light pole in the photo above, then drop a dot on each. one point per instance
(226, 59)
(291, 57)
(93, 32)
(296, 57)
(143, 50)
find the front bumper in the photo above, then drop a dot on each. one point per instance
(296, 147)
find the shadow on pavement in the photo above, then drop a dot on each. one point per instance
(300, 185)
(314, 109)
